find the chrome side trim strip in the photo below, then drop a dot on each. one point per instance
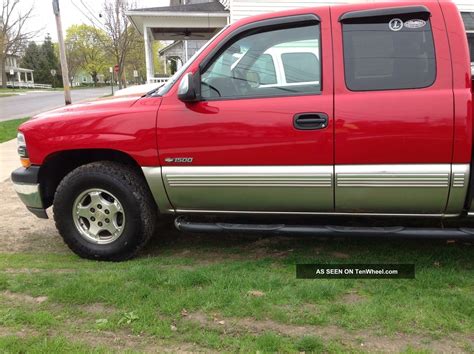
(381, 190)
(271, 176)
(459, 185)
(155, 182)
(392, 189)
(392, 176)
(199, 211)
(251, 188)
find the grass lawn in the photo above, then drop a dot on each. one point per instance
(7, 94)
(238, 293)
(11, 90)
(8, 129)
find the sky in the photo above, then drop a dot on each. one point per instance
(72, 12)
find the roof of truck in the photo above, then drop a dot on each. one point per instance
(352, 6)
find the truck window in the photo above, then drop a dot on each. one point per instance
(470, 38)
(296, 64)
(468, 19)
(246, 67)
(389, 53)
(265, 67)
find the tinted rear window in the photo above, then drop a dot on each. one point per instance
(470, 38)
(389, 54)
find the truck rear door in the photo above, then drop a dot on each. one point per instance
(393, 109)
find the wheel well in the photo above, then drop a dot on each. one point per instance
(58, 165)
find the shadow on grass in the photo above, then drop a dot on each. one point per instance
(425, 252)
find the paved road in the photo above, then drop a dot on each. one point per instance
(31, 103)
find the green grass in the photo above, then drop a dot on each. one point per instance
(7, 94)
(11, 90)
(212, 277)
(9, 128)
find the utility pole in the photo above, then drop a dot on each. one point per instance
(62, 53)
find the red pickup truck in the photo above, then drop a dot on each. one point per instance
(348, 111)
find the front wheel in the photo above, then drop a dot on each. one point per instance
(104, 211)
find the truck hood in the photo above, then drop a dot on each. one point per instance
(100, 106)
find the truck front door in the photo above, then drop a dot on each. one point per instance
(255, 142)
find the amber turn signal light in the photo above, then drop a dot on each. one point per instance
(25, 162)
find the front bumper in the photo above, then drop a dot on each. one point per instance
(26, 184)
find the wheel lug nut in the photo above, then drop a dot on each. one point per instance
(99, 206)
(92, 218)
(107, 221)
(107, 211)
(92, 210)
(100, 224)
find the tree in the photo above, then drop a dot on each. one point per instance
(157, 63)
(85, 48)
(118, 30)
(13, 36)
(135, 59)
(42, 59)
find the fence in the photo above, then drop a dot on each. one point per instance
(23, 84)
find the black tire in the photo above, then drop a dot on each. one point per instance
(130, 189)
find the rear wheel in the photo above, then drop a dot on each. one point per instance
(104, 211)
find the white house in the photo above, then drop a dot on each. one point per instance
(16, 76)
(189, 23)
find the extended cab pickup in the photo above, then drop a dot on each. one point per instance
(348, 111)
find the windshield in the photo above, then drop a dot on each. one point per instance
(160, 91)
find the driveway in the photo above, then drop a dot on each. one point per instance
(34, 102)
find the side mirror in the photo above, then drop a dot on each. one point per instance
(187, 91)
(253, 79)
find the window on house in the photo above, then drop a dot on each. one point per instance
(383, 53)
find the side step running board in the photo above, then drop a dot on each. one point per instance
(183, 224)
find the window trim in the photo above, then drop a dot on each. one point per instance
(435, 79)
(258, 26)
(388, 11)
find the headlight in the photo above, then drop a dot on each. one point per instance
(21, 143)
(22, 151)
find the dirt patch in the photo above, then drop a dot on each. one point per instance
(114, 341)
(21, 231)
(355, 340)
(124, 341)
(24, 298)
(22, 333)
(352, 298)
(98, 309)
(15, 271)
(255, 293)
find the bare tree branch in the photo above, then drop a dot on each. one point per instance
(13, 35)
(120, 37)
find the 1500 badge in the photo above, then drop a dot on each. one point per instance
(179, 159)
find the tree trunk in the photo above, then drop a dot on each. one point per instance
(3, 74)
(94, 78)
(119, 81)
